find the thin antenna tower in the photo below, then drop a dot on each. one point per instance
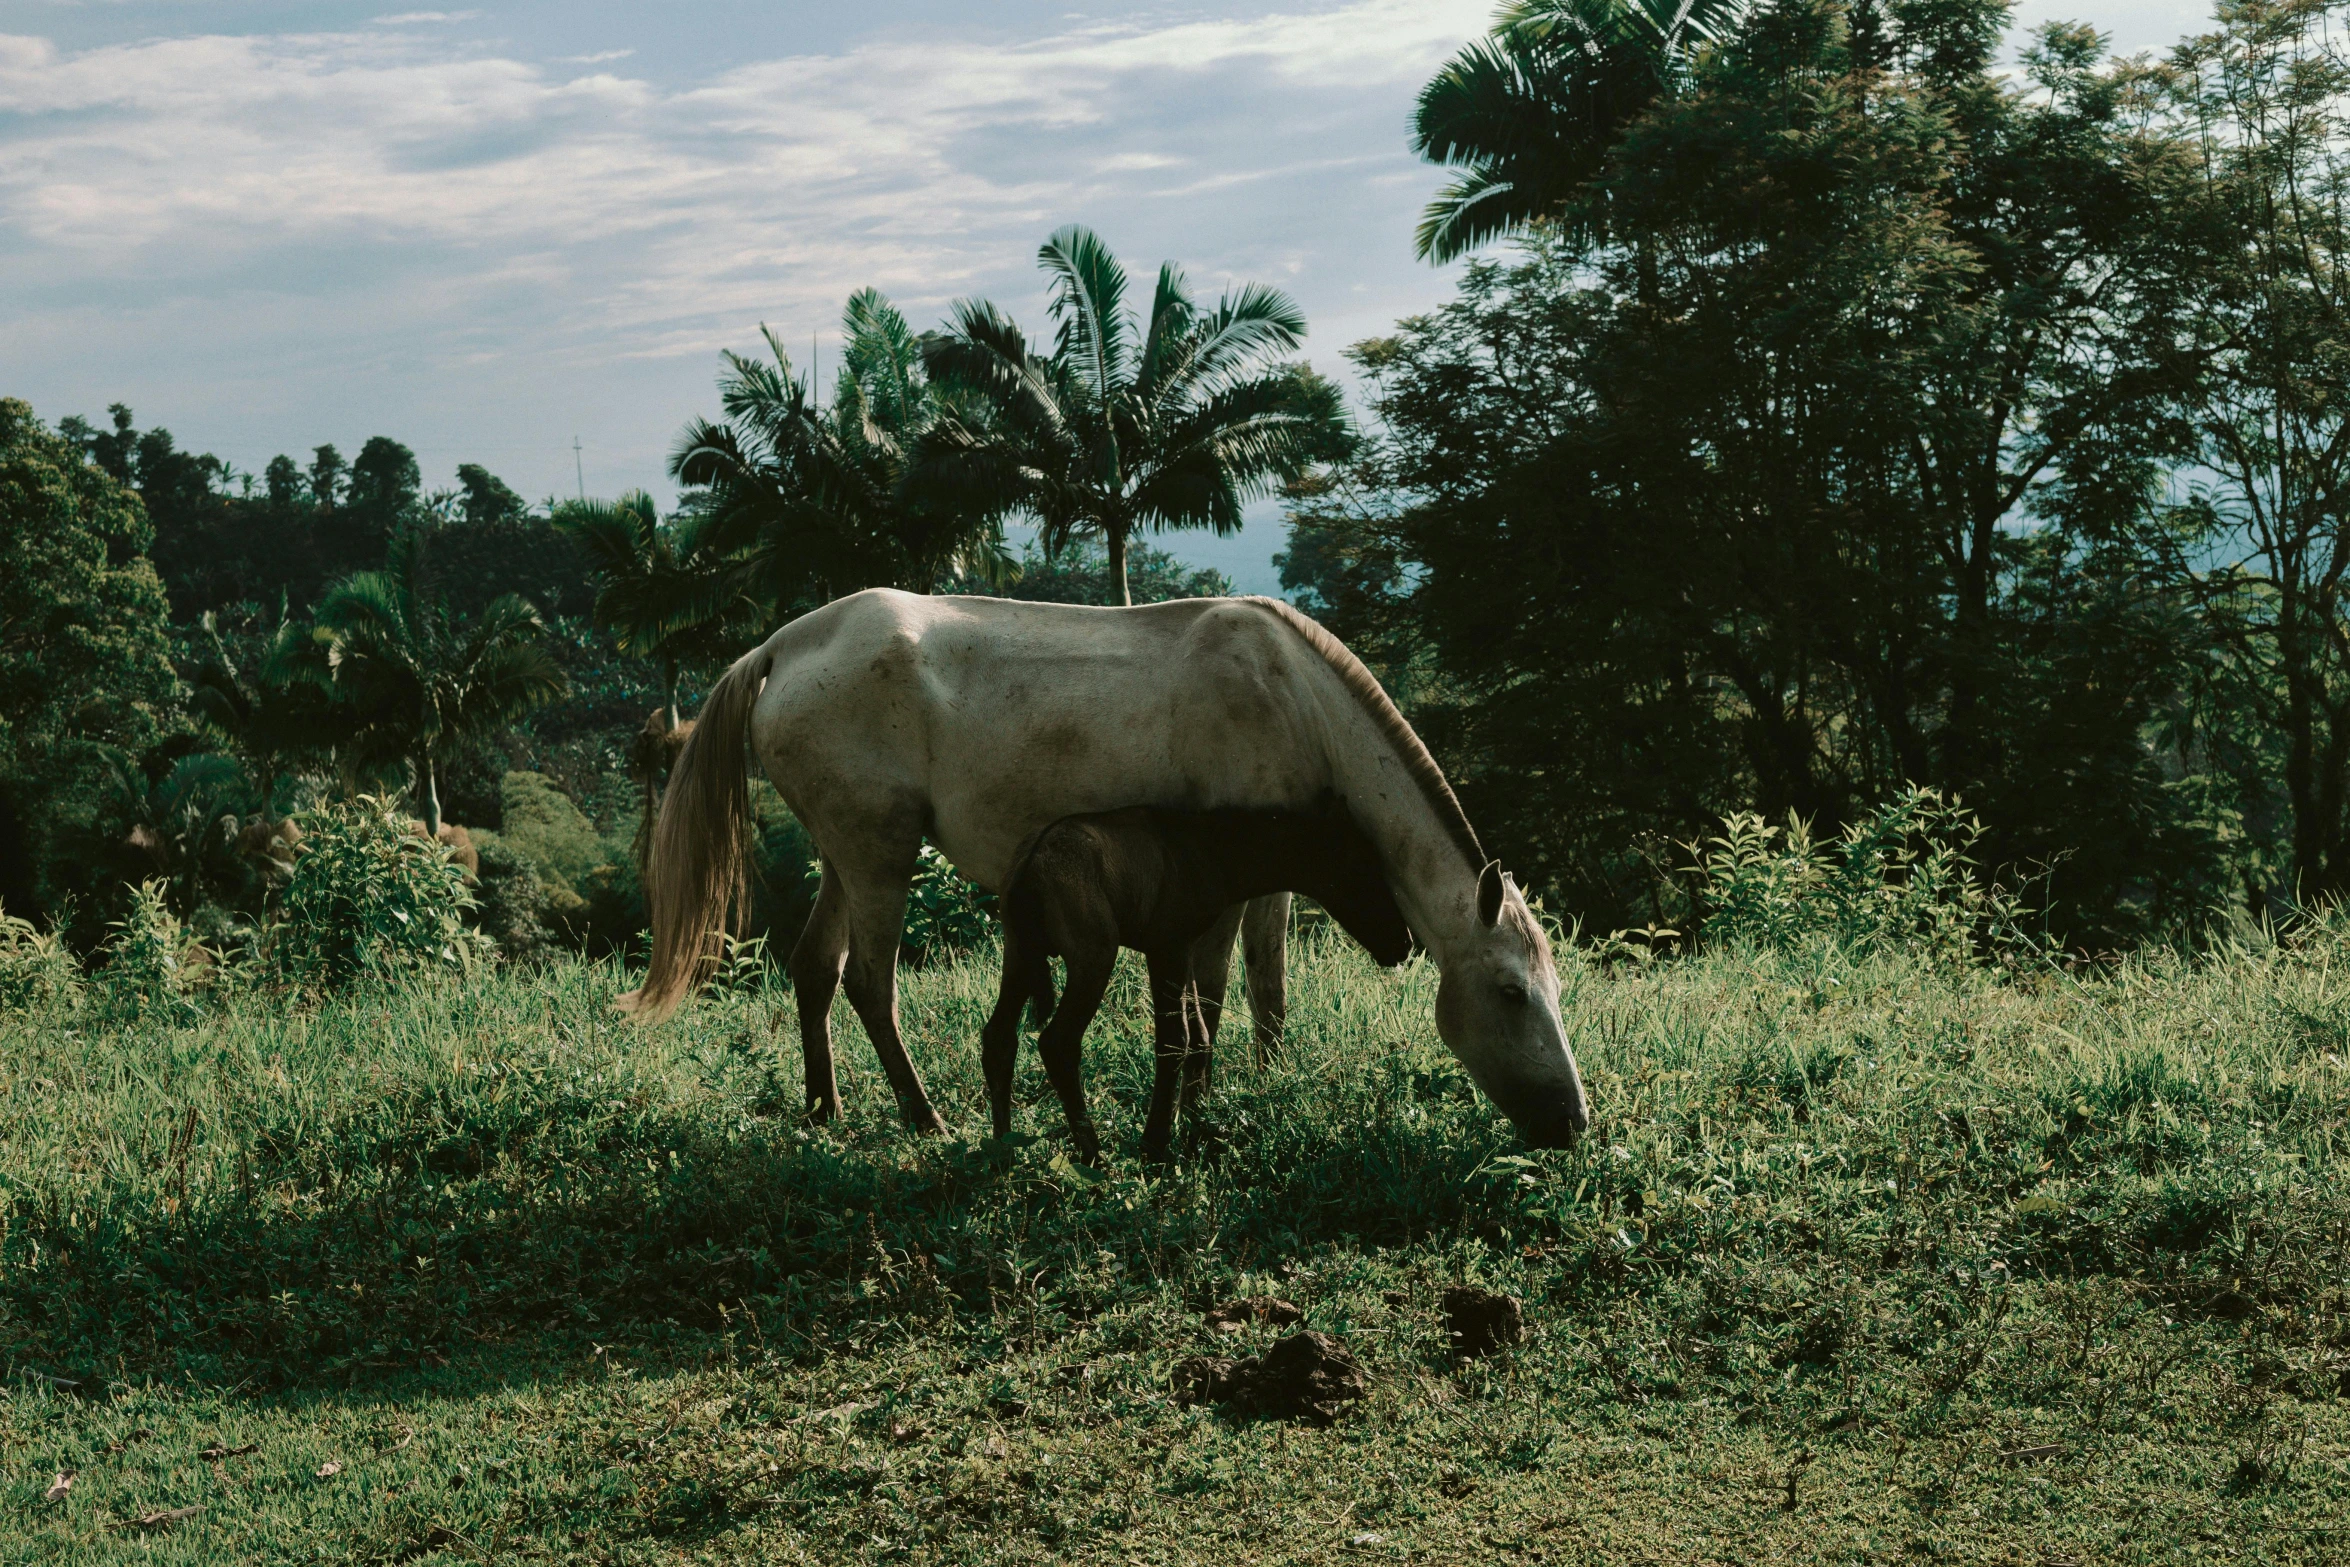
(577, 470)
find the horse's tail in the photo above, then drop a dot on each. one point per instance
(698, 872)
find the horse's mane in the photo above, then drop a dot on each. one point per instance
(1376, 703)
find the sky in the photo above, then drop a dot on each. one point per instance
(493, 232)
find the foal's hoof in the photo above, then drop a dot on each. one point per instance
(928, 1123)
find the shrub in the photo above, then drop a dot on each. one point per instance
(511, 902)
(1903, 876)
(35, 968)
(554, 834)
(153, 965)
(371, 896)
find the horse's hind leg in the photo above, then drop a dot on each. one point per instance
(1264, 940)
(816, 961)
(875, 884)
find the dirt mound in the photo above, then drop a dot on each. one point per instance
(1481, 1321)
(1307, 1376)
(1234, 1315)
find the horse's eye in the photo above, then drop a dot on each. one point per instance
(1514, 994)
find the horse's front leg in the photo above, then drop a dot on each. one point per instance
(875, 882)
(816, 961)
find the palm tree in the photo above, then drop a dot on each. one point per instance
(1173, 423)
(818, 498)
(274, 724)
(666, 591)
(421, 680)
(1529, 113)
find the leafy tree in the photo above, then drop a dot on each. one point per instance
(484, 499)
(1129, 424)
(282, 482)
(328, 476)
(1791, 455)
(665, 592)
(2262, 544)
(84, 662)
(419, 680)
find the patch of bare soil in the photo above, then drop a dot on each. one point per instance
(1306, 1376)
(1481, 1321)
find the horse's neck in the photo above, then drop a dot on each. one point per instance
(1434, 882)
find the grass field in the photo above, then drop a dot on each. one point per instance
(1865, 1261)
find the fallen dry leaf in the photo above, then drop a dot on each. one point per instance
(161, 1520)
(217, 1451)
(329, 1469)
(59, 1486)
(129, 1438)
(996, 1448)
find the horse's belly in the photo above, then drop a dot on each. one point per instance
(993, 785)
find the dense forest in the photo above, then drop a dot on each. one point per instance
(1840, 397)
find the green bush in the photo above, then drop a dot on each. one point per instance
(153, 965)
(1903, 876)
(510, 904)
(371, 896)
(594, 900)
(543, 824)
(35, 968)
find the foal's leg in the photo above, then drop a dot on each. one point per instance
(1264, 938)
(1171, 1045)
(999, 1041)
(815, 966)
(1062, 1041)
(876, 886)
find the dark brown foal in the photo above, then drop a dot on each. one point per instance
(1156, 881)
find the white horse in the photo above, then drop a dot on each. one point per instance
(886, 717)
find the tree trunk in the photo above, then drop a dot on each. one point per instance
(669, 690)
(430, 788)
(1114, 536)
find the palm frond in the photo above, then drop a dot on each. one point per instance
(1089, 306)
(1530, 112)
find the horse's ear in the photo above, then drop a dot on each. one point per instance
(1490, 883)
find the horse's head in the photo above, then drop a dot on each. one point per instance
(1497, 1008)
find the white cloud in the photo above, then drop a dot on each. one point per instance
(443, 235)
(419, 18)
(595, 59)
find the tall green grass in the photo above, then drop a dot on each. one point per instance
(1864, 1227)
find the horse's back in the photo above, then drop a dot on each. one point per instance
(995, 716)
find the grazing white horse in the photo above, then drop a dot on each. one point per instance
(885, 717)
